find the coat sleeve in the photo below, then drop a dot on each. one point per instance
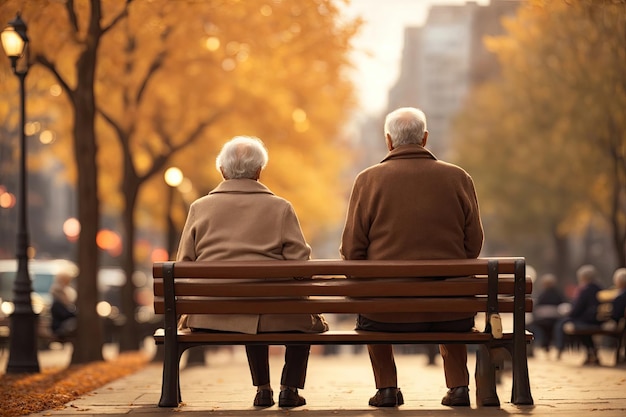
(187, 244)
(294, 244)
(355, 237)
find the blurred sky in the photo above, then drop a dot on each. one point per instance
(380, 41)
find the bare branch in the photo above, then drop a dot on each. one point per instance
(41, 59)
(156, 64)
(71, 14)
(117, 18)
(160, 160)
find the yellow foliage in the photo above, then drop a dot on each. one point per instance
(546, 143)
(176, 79)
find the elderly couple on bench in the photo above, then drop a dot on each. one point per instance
(409, 206)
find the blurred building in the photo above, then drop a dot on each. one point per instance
(444, 58)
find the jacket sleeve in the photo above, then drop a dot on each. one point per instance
(355, 237)
(474, 233)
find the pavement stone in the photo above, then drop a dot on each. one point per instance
(340, 385)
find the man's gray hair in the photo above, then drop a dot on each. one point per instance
(242, 157)
(406, 126)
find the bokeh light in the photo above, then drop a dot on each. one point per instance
(173, 177)
(160, 255)
(7, 200)
(71, 228)
(212, 43)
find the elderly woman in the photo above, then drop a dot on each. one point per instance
(241, 219)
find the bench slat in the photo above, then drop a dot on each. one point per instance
(332, 337)
(340, 287)
(338, 305)
(372, 269)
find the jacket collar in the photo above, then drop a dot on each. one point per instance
(243, 186)
(409, 152)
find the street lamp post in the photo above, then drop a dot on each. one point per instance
(173, 178)
(23, 345)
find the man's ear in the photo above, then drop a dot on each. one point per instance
(425, 138)
(388, 142)
(222, 171)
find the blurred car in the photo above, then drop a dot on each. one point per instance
(42, 273)
(110, 283)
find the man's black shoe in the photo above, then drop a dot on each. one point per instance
(457, 397)
(289, 398)
(264, 398)
(387, 397)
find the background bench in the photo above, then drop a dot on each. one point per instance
(492, 286)
(615, 334)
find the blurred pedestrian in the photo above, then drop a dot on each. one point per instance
(413, 206)
(241, 219)
(63, 308)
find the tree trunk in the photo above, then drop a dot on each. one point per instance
(89, 339)
(129, 335)
(561, 266)
(618, 199)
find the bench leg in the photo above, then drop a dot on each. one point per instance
(170, 386)
(486, 366)
(520, 393)
(621, 346)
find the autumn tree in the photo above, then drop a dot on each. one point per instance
(279, 77)
(65, 38)
(547, 141)
(171, 81)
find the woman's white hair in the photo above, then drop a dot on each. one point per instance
(406, 126)
(242, 157)
(619, 278)
(586, 274)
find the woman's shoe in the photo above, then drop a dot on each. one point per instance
(387, 397)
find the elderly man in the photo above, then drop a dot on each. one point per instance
(413, 206)
(241, 219)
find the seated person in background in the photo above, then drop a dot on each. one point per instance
(546, 311)
(241, 219)
(618, 309)
(584, 313)
(63, 310)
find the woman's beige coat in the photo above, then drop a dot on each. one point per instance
(243, 220)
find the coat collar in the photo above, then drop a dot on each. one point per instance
(409, 152)
(242, 186)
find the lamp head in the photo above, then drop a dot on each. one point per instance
(14, 38)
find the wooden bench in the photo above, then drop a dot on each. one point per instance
(617, 333)
(489, 285)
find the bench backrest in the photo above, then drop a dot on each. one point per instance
(335, 286)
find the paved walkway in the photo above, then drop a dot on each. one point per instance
(340, 385)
